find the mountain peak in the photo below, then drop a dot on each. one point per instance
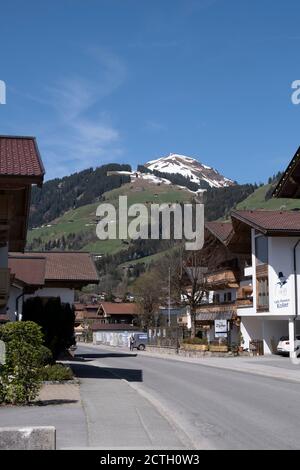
(189, 167)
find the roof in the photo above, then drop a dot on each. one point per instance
(289, 184)
(92, 306)
(19, 156)
(205, 316)
(221, 230)
(58, 266)
(286, 223)
(30, 271)
(119, 308)
(113, 326)
(68, 266)
(4, 318)
(78, 306)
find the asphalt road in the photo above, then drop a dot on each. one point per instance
(213, 408)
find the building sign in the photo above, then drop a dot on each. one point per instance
(2, 352)
(220, 328)
(281, 295)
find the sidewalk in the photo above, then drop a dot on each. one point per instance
(273, 366)
(58, 405)
(117, 415)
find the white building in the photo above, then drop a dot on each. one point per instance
(274, 240)
(48, 275)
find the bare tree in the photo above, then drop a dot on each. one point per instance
(148, 291)
(188, 284)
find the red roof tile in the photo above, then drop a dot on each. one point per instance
(120, 308)
(66, 266)
(19, 156)
(281, 222)
(30, 271)
(220, 230)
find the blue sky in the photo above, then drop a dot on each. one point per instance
(98, 81)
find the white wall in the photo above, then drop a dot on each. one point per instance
(66, 295)
(113, 338)
(282, 299)
(272, 331)
(251, 328)
(280, 259)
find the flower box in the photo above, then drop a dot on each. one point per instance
(194, 347)
(218, 348)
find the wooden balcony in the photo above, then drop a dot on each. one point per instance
(4, 285)
(227, 278)
(223, 307)
(244, 297)
(244, 302)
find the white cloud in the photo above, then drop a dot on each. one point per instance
(75, 136)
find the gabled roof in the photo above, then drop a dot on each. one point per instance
(28, 270)
(221, 230)
(67, 267)
(119, 308)
(20, 157)
(289, 184)
(283, 223)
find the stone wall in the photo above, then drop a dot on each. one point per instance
(28, 438)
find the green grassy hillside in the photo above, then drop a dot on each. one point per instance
(257, 200)
(76, 229)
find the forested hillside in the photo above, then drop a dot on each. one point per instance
(62, 194)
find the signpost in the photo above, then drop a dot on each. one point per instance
(220, 328)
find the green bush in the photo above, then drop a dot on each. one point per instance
(20, 380)
(56, 372)
(195, 340)
(46, 356)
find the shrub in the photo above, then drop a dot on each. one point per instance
(20, 376)
(56, 372)
(46, 356)
(195, 340)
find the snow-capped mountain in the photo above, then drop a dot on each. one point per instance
(190, 168)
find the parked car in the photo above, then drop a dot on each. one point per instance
(140, 341)
(283, 346)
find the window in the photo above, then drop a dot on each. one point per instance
(216, 298)
(262, 294)
(261, 249)
(227, 297)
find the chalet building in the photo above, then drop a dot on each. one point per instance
(20, 168)
(48, 275)
(121, 312)
(273, 239)
(289, 184)
(86, 314)
(226, 284)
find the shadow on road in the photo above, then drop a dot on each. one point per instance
(103, 355)
(85, 371)
(53, 402)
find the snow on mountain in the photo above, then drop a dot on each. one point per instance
(190, 168)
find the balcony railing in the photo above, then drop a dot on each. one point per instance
(222, 279)
(244, 297)
(4, 285)
(216, 307)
